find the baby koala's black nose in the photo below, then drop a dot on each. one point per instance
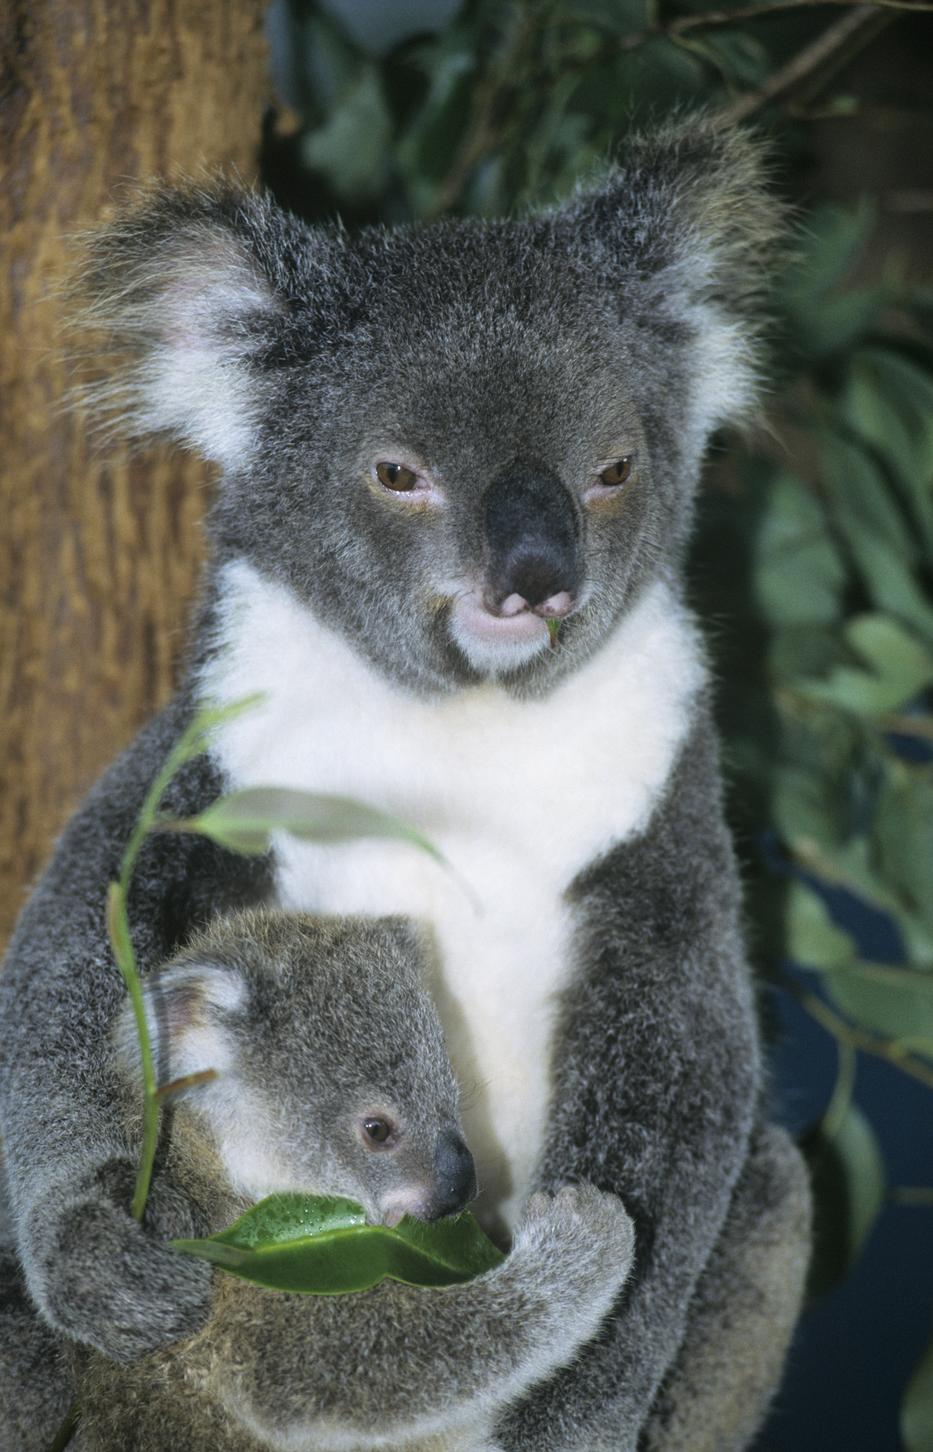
(454, 1177)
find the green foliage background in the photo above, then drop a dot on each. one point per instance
(815, 553)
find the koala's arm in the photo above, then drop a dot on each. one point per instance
(656, 1087)
(399, 1363)
(71, 1169)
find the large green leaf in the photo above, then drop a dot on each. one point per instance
(917, 1408)
(244, 821)
(321, 1246)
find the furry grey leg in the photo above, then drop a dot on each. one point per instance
(35, 1387)
(743, 1311)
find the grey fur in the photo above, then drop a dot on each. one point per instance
(323, 1019)
(627, 318)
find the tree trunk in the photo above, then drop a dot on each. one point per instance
(99, 551)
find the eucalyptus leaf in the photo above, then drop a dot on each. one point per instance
(901, 668)
(245, 821)
(798, 574)
(350, 148)
(894, 1003)
(904, 836)
(322, 1246)
(812, 937)
(849, 1187)
(917, 1407)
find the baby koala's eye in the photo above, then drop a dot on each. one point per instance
(378, 1131)
(618, 472)
(396, 477)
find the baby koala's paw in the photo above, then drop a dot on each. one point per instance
(100, 1277)
(583, 1234)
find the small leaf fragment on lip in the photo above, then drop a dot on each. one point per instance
(553, 627)
(317, 1245)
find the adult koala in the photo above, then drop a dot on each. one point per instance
(444, 449)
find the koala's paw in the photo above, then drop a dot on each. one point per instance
(105, 1280)
(585, 1235)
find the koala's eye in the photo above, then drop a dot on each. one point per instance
(618, 472)
(396, 477)
(378, 1131)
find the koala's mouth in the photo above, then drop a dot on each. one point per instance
(496, 642)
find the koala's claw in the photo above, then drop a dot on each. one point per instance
(590, 1224)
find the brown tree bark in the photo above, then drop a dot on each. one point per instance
(99, 550)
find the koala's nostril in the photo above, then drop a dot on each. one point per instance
(557, 606)
(455, 1177)
(536, 575)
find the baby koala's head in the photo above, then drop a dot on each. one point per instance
(332, 1073)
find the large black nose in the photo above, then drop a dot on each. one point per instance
(454, 1177)
(532, 531)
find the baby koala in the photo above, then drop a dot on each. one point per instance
(333, 1079)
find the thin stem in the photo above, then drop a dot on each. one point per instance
(118, 927)
(187, 1081)
(841, 1096)
(919, 726)
(861, 23)
(67, 1429)
(714, 18)
(912, 1195)
(857, 1038)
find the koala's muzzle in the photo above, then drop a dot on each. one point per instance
(532, 535)
(454, 1177)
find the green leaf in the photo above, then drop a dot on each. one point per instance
(812, 937)
(797, 572)
(902, 668)
(321, 1246)
(198, 733)
(894, 1002)
(245, 821)
(876, 531)
(849, 1187)
(904, 836)
(917, 1407)
(826, 246)
(350, 149)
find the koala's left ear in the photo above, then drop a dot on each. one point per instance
(685, 226)
(205, 295)
(188, 1007)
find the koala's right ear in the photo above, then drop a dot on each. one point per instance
(205, 294)
(188, 1008)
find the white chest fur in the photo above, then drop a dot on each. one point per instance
(518, 796)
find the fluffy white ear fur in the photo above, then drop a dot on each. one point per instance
(195, 383)
(190, 310)
(184, 1006)
(687, 227)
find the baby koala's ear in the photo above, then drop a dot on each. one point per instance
(205, 295)
(189, 1007)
